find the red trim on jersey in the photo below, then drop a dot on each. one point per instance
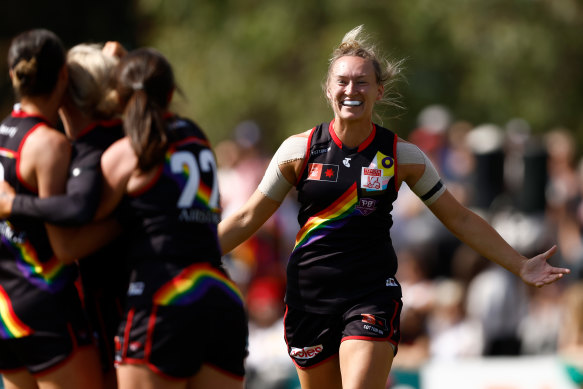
(397, 186)
(225, 372)
(333, 134)
(392, 329)
(61, 363)
(356, 337)
(315, 365)
(87, 130)
(306, 157)
(21, 114)
(110, 122)
(191, 139)
(150, 184)
(135, 361)
(361, 146)
(126, 333)
(368, 140)
(149, 335)
(18, 153)
(102, 123)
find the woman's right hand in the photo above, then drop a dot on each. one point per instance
(6, 199)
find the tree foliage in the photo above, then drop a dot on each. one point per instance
(264, 60)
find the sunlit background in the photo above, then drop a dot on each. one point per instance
(492, 91)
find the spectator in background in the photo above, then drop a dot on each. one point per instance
(241, 166)
(571, 333)
(268, 365)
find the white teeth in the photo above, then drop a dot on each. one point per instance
(352, 103)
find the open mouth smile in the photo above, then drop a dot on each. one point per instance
(352, 103)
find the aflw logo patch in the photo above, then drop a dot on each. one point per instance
(322, 172)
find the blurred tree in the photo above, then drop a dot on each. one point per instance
(72, 20)
(265, 60)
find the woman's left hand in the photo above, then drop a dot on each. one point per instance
(536, 271)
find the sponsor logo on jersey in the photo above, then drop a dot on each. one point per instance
(391, 282)
(373, 323)
(366, 206)
(136, 288)
(320, 151)
(193, 215)
(346, 161)
(306, 352)
(9, 233)
(6, 130)
(371, 179)
(322, 172)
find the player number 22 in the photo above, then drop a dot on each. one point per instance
(207, 163)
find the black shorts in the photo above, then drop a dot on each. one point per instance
(105, 311)
(313, 338)
(104, 301)
(175, 340)
(50, 344)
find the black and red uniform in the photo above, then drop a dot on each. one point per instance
(103, 290)
(41, 318)
(341, 273)
(182, 309)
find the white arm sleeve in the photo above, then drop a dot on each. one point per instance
(274, 185)
(430, 186)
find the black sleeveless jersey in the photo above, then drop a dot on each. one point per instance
(176, 216)
(31, 278)
(84, 186)
(343, 249)
(78, 205)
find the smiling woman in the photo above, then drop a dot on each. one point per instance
(343, 300)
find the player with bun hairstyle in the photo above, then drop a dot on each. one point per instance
(45, 340)
(343, 300)
(91, 117)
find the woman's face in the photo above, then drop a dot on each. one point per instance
(352, 88)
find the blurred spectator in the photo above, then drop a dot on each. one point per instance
(571, 332)
(418, 295)
(486, 142)
(268, 365)
(539, 329)
(452, 333)
(242, 164)
(564, 195)
(499, 302)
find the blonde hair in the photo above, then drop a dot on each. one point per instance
(357, 43)
(92, 81)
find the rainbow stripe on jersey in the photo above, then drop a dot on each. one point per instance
(10, 325)
(193, 283)
(50, 276)
(333, 217)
